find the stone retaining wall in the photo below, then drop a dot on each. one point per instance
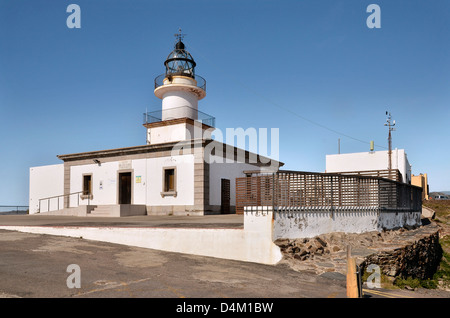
(415, 252)
(418, 260)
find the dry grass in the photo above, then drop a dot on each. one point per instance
(442, 209)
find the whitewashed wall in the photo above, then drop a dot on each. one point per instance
(146, 189)
(184, 180)
(309, 224)
(139, 187)
(220, 168)
(170, 133)
(104, 183)
(174, 104)
(253, 243)
(46, 181)
(376, 160)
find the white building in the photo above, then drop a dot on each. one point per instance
(370, 163)
(181, 170)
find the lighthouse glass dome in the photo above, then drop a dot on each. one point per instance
(180, 62)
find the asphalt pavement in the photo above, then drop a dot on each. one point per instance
(46, 266)
(33, 265)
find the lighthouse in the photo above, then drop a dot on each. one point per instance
(180, 90)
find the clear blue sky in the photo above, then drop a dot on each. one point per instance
(313, 69)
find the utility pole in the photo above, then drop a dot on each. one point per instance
(391, 128)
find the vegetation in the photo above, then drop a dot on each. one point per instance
(442, 276)
(442, 209)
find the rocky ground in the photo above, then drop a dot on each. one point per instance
(326, 255)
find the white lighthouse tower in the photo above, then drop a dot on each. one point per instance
(180, 89)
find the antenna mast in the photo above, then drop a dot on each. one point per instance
(391, 128)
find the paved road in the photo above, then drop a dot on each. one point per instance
(33, 265)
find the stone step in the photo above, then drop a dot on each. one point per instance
(101, 211)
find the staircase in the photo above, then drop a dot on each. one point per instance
(118, 210)
(105, 211)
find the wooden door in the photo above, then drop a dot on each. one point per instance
(125, 188)
(225, 196)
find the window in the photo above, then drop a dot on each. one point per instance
(169, 182)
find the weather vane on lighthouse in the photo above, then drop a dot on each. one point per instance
(179, 36)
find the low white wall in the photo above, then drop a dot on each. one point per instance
(392, 220)
(46, 181)
(252, 244)
(310, 224)
(300, 224)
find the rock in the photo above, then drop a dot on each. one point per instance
(302, 252)
(392, 271)
(321, 242)
(335, 248)
(299, 244)
(311, 248)
(283, 243)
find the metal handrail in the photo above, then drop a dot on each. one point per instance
(59, 196)
(14, 209)
(156, 116)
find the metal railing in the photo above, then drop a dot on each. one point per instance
(64, 204)
(14, 209)
(179, 112)
(309, 191)
(201, 82)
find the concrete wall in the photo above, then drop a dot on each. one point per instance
(220, 168)
(392, 220)
(104, 183)
(251, 244)
(46, 181)
(192, 179)
(376, 160)
(174, 104)
(169, 133)
(184, 180)
(302, 224)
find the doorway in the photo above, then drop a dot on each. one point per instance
(125, 188)
(225, 196)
